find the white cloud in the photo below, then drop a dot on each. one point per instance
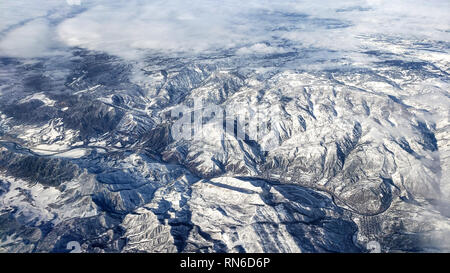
(179, 26)
(172, 26)
(260, 48)
(129, 28)
(14, 13)
(30, 40)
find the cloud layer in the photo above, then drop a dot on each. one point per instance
(129, 28)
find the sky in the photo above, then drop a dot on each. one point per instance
(130, 28)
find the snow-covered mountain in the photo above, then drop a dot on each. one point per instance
(315, 134)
